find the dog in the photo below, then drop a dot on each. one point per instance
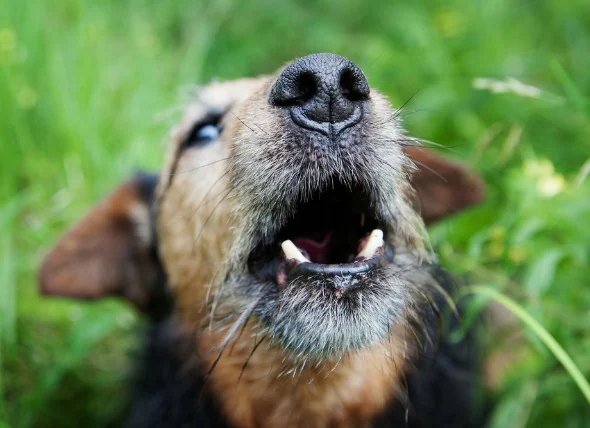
(282, 258)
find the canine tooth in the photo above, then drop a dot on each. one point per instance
(292, 252)
(375, 241)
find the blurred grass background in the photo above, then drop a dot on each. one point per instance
(89, 89)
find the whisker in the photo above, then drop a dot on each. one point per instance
(210, 286)
(418, 142)
(333, 368)
(448, 299)
(423, 142)
(239, 336)
(254, 348)
(216, 299)
(203, 200)
(244, 123)
(214, 305)
(418, 146)
(211, 215)
(418, 110)
(399, 110)
(243, 318)
(430, 169)
(301, 371)
(200, 166)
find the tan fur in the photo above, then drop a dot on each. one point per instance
(195, 248)
(270, 392)
(202, 225)
(197, 243)
(196, 255)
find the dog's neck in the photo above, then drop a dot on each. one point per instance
(269, 391)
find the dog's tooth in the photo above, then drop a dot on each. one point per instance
(292, 252)
(374, 242)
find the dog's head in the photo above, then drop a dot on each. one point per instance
(295, 200)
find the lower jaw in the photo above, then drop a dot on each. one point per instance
(341, 268)
(352, 273)
(319, 319)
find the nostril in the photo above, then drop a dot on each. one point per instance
(306, 87)
(295, 91)
(353, 84)
(321, 92)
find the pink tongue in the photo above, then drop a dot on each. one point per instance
(318, 252)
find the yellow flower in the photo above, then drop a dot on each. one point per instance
(498, 233)
(517, 255)
(548, 182)
(496, 249)
(550, 186)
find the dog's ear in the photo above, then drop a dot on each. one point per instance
(111, 251)
(442, 187)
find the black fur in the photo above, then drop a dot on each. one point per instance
(442, 386)
(169, 390)
(160, 300)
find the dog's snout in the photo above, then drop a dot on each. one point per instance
(322, 92)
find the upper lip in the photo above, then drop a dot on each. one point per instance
(332, 232)
(329, 129)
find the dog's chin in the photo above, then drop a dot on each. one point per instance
(330, 275)
(320, 316)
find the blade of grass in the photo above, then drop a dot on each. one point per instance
(2, 405)
(584, 171)
(7, 292)
(569, 86)
(546, 337)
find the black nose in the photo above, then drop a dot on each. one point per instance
(323, 92)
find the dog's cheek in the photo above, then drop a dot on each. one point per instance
(194, 227)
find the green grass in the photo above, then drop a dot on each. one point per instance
(88, 91)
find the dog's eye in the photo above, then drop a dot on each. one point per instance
(202, 134)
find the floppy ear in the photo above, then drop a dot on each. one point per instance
(442, 187)
(111, 251)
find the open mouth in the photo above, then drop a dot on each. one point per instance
(336, 232)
